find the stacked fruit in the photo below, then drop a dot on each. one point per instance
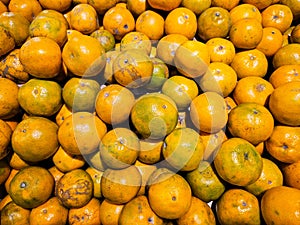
(149, 112)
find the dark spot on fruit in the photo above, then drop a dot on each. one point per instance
(164, 106)
(246, 155)
(285, 147)
(173, 198)
(125, 26)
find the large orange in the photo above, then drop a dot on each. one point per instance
(251, 121)
(171, 197)
(214, 22)
(41, 57)
(28, 8)
(243, 11)
(14, 214)
(272, 204)
(237, 162)
(237, 206)
(208, 112)
(40, 131)
(288, 54)
(31, 186)
(284, 103)
(283, 144)
(154, 124)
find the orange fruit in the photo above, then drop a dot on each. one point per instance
(273, 38)
(50, 212)
(181, 21)
(220, 50)
(31, 187)
(244, 11)
(283, 144)
(62, 114)
(291, 174)
(220, 78)
(51, 24)
(17, 163)
(5, 138)
(146, 171)
(4, 201)
(246, 33)
(237, 162)
(197, 6)
(277, 15)
(132, 68)
(38, 130)
(41, 57)
(293, 5)
(214, 22)
(237, 206)
(137, 7)
(122, 185)
(95, 160)
(87, 214)
(136, 40)
(14, 214)
(101, 6)
(60, 6)
(17, 25)
(11, 67)
(286, 55)
(160, 74)
(138, 211)
(164, 5)
(284, 103)
(250, 121)
(167, 46)
(119, 148)
(13, 172)
(272, 203)
(271, 176)
(212, 143)
(7, 41)
(251, 62)
(66, 162)
(9, 104)
(260, 5)
(170, 198)
(79, 94)
(252, 89)
(205, 183)
(110, 212)
(83, 55)
(154, 124)
(112, 98)
(74, 189)
(150, 151)
(230, 103)
(208, 112)
(4, 171)
(183, 149)
(225, 4)
(192, 52)
(295, 34)
(106, 39)
(181, 89)
(84, 18)
(119, 21)
(40, 97)
(198, 213)
(56, 173)
(150, 23)
(78, 141)
(3, 7)
(28, 8)
(96, 176)
(108, 72)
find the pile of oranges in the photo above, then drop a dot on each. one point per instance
(149, 112)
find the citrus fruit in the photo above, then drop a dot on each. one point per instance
(110, 212)
(154, 115)
(60, 6)
(160, 74)
(136, 40)
(5, 138)
(237, 206)
(119, 148)
(291, 174)
(208, 112)
(106, 39)
(243, 11)
(164, 5)
(74, 189)
(31, 187)
(28, 8)
(40, 97)
(122, 185)
(150, 151)
(4, 171)
(170, 198)
(14, 214)
(40, 131)
(286, 55)
(237, 162)
(50, 212)
(183, 149)
(96, 176)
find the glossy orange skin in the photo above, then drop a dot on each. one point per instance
(238, 206)
(137, 7)
(110, 212)
(225, 4)
(57, 5)
(273, 38)
(243, 11)
(284, 103)
(288, 54)
(15, 214)
(28, 8)
(272, 202)
(259, 4)
(101, 6)
(7, 42)
(291, 174)
(164, 5)
(221, 50)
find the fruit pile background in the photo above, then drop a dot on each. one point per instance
(149, 112)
